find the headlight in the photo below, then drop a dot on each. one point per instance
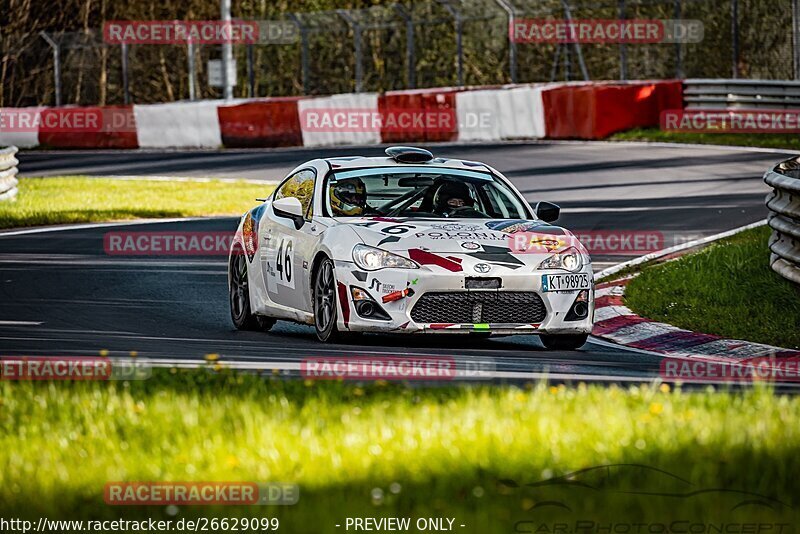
(569, 260)
(372, 259)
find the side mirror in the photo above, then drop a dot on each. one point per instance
(547, 211)
(289, 208)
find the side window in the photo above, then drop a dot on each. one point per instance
(301, 186)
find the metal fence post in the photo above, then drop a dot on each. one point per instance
(227, 52)
(303, 50)
(623, 49)
(126, 94)
(579, 53)
(458, 22)
(410, 60)
(735, 37)
(251, 75)
(356, 46)
(796, 38)
(678, 61)
(512, 44)
(56, 65)
(190, 63)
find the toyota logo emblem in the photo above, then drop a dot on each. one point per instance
(482, 268)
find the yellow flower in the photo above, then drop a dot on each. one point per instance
(358, 392)
(212, 357)
(656, 408)
(553, 390)
(103, 352)
(664, 388)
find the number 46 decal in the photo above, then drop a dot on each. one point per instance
(284, 263)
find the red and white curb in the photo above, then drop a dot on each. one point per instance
(617, 323)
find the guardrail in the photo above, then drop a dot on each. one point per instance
(8, 173)
(741, 94)
(784, 218)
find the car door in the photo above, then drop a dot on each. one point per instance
(288, 248)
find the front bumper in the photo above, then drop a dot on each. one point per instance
(386, 283)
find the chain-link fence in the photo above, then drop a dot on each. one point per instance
(432, 43)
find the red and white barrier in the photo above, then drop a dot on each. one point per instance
(514, 112)
(336, 120)
(19, 127)
(577, 110)
(179, 124)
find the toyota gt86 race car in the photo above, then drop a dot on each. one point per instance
(409, 243)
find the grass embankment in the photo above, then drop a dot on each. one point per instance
(727, 289)
(385, 449)
(778, 141)
(78, 199)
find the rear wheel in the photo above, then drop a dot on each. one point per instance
(324, 298)
(239, 291)
(563, 342)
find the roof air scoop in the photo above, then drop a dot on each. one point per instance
(409, 154)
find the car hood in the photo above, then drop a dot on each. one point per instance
(475, 237)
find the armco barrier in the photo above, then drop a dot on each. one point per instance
(272, 122)
(741, 94)
(784, 218)
(178, 125)
(338, 106)
(99, 127)
(597, 110)
(8, 173)
(12, 133)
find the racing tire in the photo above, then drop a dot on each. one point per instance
(563, 342)
(324, 299)
(239, 292)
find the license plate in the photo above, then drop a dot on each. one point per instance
(565, 282)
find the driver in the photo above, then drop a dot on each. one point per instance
(454, 197)
(349, 198)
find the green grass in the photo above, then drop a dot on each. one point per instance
(78, 199)
(457, 452)
(726, 289)
(780, 141)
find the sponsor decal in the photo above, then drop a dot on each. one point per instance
(455, 227)
(470, 245)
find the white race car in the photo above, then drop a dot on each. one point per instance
(409, 243)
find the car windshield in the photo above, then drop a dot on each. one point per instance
(421, 192)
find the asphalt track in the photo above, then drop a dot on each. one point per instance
(60, 294)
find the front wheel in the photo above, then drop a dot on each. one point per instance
(563, 342)
(324, 298)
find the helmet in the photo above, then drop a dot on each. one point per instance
(448, 194)
(348, 197)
